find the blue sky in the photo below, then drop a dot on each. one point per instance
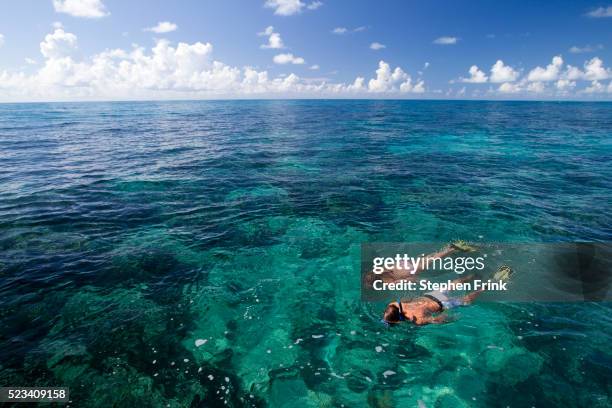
(110, 49)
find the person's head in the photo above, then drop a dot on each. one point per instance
(392, 313)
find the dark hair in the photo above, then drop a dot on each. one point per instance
(392, 314)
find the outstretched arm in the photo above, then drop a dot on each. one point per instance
(470, 297)
(443, 253)
(440, 319)
(396, 274)
(446, 251)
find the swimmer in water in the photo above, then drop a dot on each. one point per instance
(396, 274)
(428, 309)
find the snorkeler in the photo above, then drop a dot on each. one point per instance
(427, 309)
(397, 274)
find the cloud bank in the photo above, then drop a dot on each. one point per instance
(170, 71)
(555, 79)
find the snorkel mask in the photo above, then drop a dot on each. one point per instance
(401, 315)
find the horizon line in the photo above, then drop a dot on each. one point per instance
(304, 99)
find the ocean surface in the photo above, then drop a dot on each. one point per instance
(206, 254)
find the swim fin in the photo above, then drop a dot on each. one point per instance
(462, 245)
(503, 273)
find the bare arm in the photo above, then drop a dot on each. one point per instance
(400, 273)
(443, 253)
(440, 319)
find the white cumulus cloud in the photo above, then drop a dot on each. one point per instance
(285, 7)
(274, 39)
(358, 85)
(377, 46)
(595, 71)
(600, 12)
(314, 67)
(59, 44)
(419, 87)
(573, 73)
(502, 73)
(81, 8)
(388, 80)
(290, 7)
(339, 30)
(562, 80)
(1, 40)
(565, 84)
(163, 27)
(509, 87)
(288, 58)
(595, 87)
(171, 71)
(476, 76)
(536, 87)
(446, 40)
(550, 73)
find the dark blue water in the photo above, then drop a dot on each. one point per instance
(207, 253)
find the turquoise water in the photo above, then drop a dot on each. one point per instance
(203, 254)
